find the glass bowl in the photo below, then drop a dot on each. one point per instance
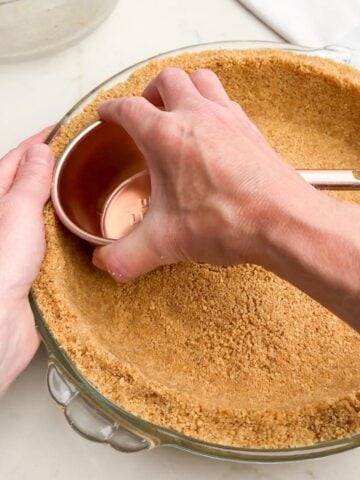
(98, 419)
(31, 28)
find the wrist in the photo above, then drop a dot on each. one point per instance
(313, 245)
(289, 213)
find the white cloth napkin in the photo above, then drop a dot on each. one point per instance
(313, 23)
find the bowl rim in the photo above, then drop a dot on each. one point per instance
(146, 429)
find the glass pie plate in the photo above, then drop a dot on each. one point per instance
(98, 419)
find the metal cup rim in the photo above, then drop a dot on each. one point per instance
(55, 194)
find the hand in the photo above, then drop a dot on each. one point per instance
(25, 178)
(216, 182)
(221, 194)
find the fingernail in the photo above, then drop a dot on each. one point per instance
(48, 128)
(39, 153)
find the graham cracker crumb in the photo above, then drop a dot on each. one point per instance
(230, 355)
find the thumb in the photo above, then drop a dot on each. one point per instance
(131, 256)
(33, 177)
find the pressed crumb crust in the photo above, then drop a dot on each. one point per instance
(232, 355)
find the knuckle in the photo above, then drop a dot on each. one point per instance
(35, 174)
(122, 104)
(207, 108)
(117, 108)
(131, 105)
(205, 73)
(168, 74)
(135, 102)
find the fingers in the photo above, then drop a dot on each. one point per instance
(135, 114)
(131, 256)
(33, 178)
(210, 86)
(10, 162)
(172, 88)
(22, 232)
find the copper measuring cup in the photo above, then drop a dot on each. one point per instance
(94, 164)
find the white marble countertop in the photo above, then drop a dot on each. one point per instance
(35, 440)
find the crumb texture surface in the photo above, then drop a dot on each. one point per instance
(229, 355)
